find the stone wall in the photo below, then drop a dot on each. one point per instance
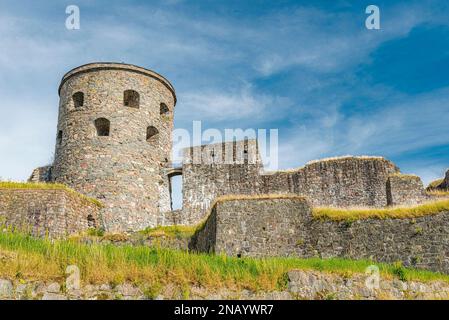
(301, 284)
(119, 159)
(337, 182)
(206, 177)
(278, 227)
(405, 190)
(55, 213)
(254, 227)
(41, 174)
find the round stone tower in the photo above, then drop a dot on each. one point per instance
(114, 141)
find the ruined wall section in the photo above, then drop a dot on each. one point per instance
(405, 190)
(55, 213)
(123, 169)
(285, 226)
(336, 182)
(255, 227)
(445, 184)
(417, 242)
(210, 176)
(41, 174)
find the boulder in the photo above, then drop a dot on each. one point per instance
(6, 289)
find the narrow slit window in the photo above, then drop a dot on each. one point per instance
(59, 139)
(103, 127)
(78, 99)
(131, 99)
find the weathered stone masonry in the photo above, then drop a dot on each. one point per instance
(405, 190)
(114, 140)
(55, 213)
(253, 227)
(336, 182)
(211, 177)
(445, 184)
(285, 226)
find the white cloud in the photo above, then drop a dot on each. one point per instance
(403, 126)
(241, 104)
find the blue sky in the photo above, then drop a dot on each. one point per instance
(309, 68)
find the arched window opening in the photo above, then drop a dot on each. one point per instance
(102, 125)
(152, 134)
(164, 110)
(59, 139)
(131, 99)
(91, 223)
(175, 191)
(78, 99)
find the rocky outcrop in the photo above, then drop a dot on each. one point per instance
(316, 285)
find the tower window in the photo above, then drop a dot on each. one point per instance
(245, 155)
(102, 125)
(131, 99)
(164, 109)
(78, 99)
(152, 134)
(59, 139)
(91, 223)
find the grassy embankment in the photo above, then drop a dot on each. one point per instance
(25, 257)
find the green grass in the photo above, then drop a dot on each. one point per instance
(47, 186)
(24, 257)
(178, 231)
(339, 214)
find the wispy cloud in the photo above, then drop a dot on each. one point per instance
(292, 68)
(241, 104)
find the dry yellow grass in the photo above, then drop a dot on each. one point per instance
(439, 193)
(338, 214)
(46, 186)
(405, 176)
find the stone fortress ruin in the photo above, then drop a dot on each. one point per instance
(113, 144)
